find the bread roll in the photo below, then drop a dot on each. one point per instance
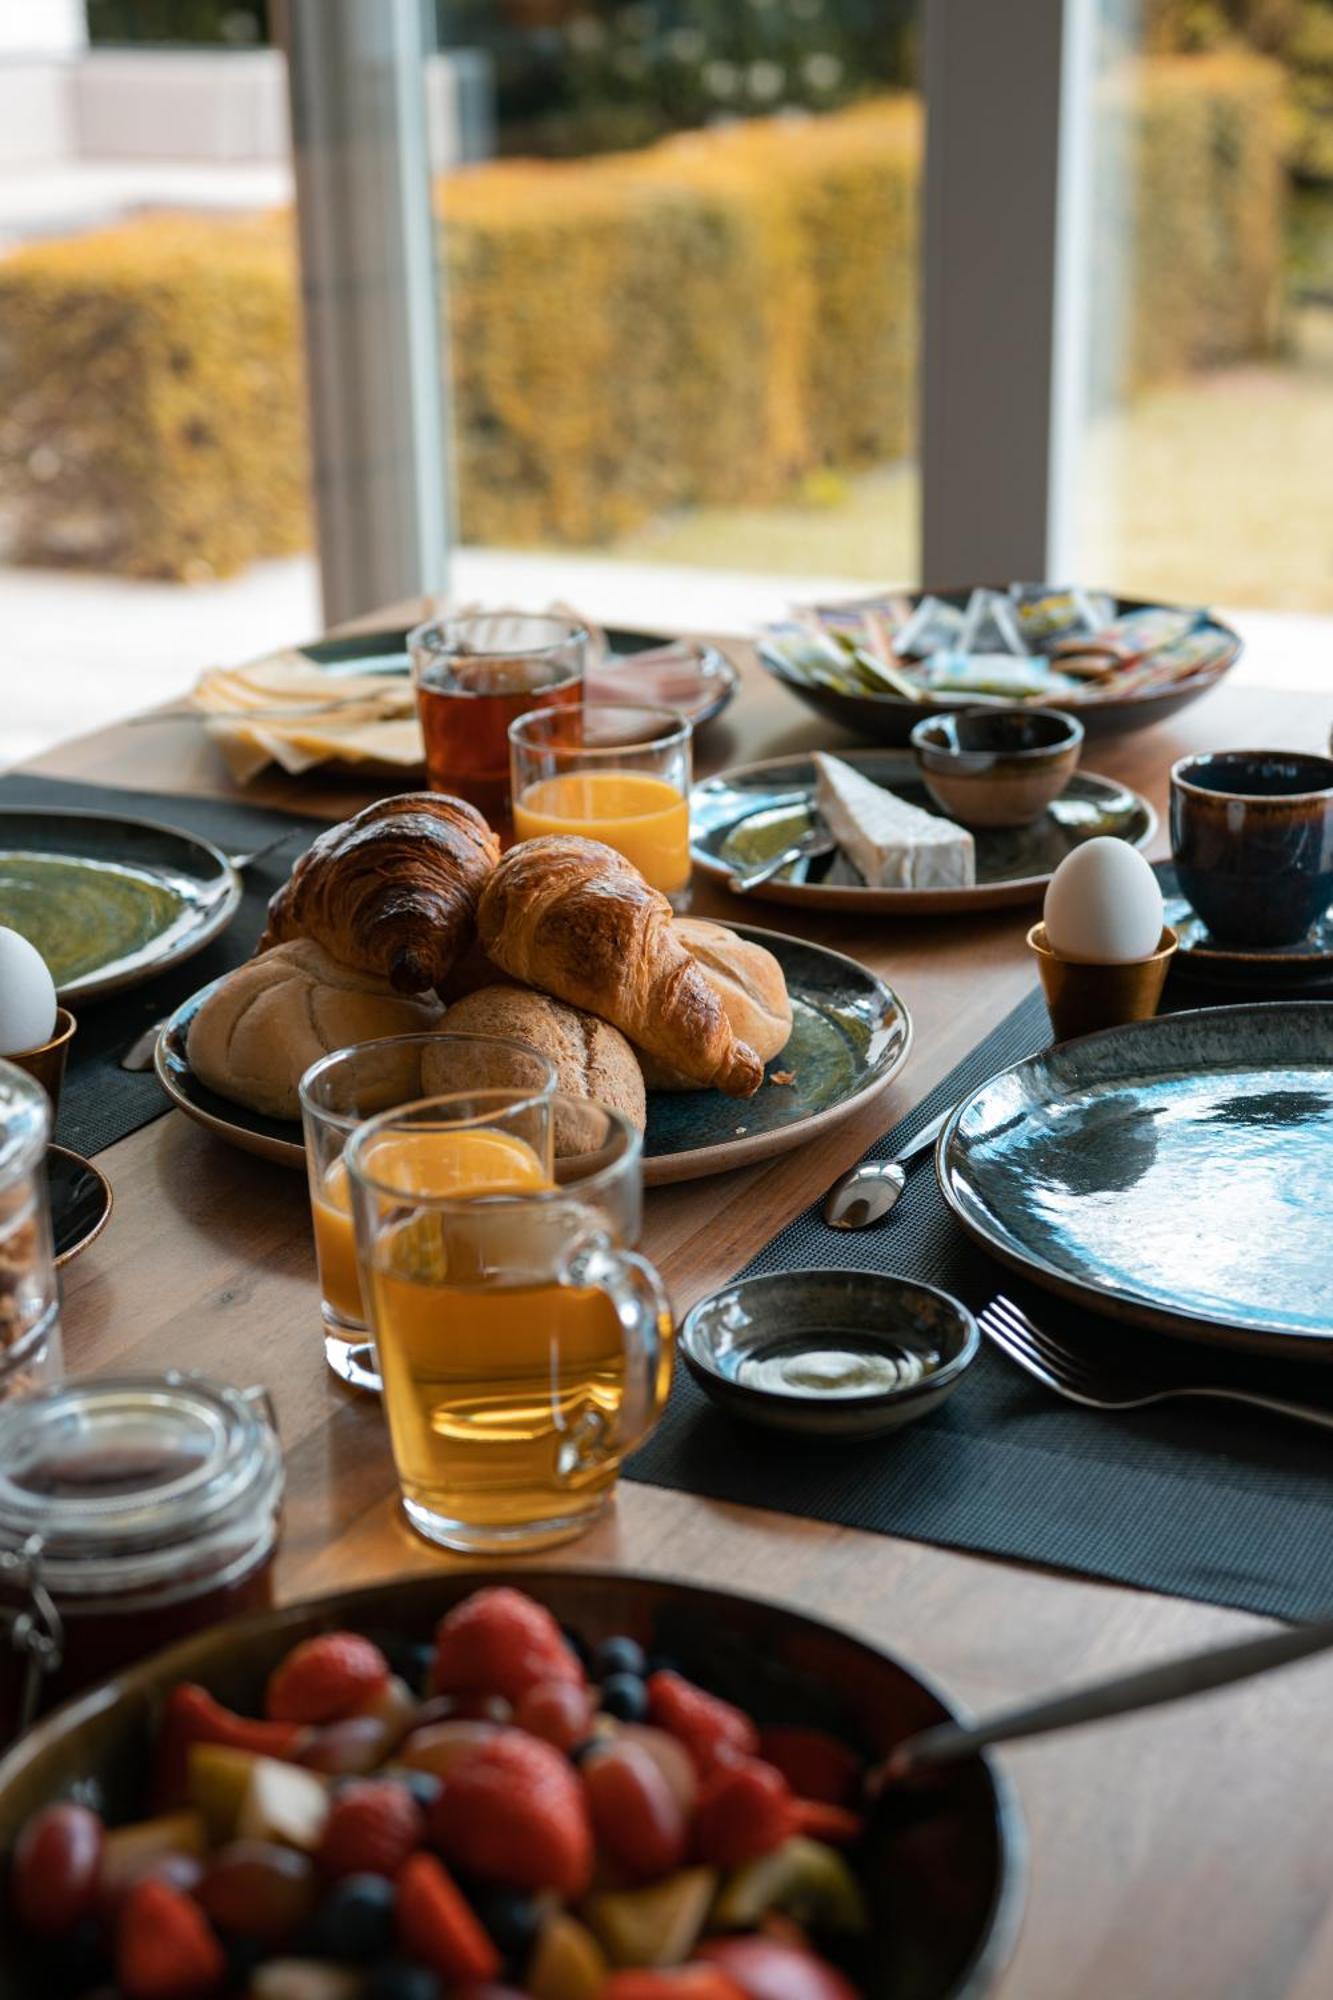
(747, 979)
(262, 1027)
(592, 1058)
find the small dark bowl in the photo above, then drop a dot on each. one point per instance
(761, 1348)
(1252, 838)
(997, 766)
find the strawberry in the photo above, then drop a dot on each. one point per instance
(165, 1949)
(372, 1829)
(765, 1970)
(436, 1925)
(192, 1716)
(326, 1678)
(681, 1982)
(500, 1642)
(711, 1729)
(834, 1825)
(815, 1765)
(745, 1809)
(513, 1811)
(560, 1712)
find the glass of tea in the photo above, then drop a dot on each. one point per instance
(474, 674)
(614, 771)
(340, 1092)
(525, 1347)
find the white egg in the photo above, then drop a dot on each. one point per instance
(1103, 905)
(27, 996)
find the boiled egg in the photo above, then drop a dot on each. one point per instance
(27, 996)
(1103, 905)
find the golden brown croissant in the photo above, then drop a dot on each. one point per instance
(576, 919)
(393, 891)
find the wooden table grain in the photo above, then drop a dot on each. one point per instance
(1176, 1857)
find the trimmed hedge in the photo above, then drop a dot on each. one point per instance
(711, 319)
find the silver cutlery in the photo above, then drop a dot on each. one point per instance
(866, 1194)
(813, 844)
(1101, 1384)
(1124, 1694)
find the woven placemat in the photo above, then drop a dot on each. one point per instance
(1197, 1500)
(101, 1102)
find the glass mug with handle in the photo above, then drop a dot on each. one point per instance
(342, 1090)
(525, 1347)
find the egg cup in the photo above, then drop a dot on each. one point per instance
(1081, 998)
(46, 1063)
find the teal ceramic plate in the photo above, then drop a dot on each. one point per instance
(850, 1037)
(386, 653)
(746, 815)
(1306, 964)
(107, 901)
(1174, 1173)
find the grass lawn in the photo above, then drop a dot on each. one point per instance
(1216, 488)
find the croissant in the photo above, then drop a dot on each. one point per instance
(577, 920)
(393, 891)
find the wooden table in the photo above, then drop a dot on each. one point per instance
(1177, 1855)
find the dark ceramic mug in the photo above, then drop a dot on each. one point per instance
(1252, 837)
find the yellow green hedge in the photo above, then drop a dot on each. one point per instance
(710, 319)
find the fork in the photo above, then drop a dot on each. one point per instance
(1109, 1385)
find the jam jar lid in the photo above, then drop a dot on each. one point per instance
(25, 1122)
(121, 1482)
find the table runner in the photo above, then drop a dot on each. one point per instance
(1205, 1501)
(101, 1102)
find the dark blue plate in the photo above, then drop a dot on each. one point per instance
(1177, 1173)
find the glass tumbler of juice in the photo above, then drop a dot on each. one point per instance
(340, 1092)
(615, 772)
(474, 675)
(525, 1347)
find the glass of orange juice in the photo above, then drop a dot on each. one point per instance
(616, 772)
(340, 1092)
(525, 1347)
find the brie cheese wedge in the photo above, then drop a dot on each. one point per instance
(894, 845)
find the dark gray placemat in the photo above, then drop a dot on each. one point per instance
(1224, 1505)
(101, 1102)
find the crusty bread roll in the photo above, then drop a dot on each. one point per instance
(262, 1027)
(592, 1058)
(747, 979)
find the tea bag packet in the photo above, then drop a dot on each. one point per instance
(812, 656)
(1127, 639)
(1193, 654)
(934, 627)
(999, 674)
(1044, 615)
(989, 625)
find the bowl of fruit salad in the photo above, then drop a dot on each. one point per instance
(598, 1787)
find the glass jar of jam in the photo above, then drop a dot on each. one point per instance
(134, 1510)
(29, 1312)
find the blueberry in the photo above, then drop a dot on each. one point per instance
(395, 1979)
(355, 1920)
(618, 1656)
(424, 1786)
(409, 1658)
(513, 1921)
(625, 1697)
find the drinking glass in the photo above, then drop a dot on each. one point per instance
(525, 1348)
(614, 771)
(474, 675)
(340, 1092)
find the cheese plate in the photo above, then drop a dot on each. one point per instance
(747, 815)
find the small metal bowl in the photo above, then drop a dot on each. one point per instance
(848, 1354)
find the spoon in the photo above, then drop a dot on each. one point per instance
(813, 844)
(872, 1190)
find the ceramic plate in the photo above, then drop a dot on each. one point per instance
(1174, 1173)
(744, 815)
(850, 1037)
(386, 653)
(887, 718)
(1308, 963)
(108, 901)
(80, 1201)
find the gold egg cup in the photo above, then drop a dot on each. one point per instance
(46, 1063)
(1081, 998)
